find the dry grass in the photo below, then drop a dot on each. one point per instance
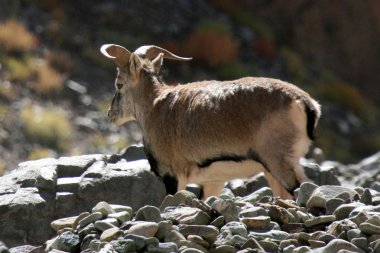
(48, 127)
(48, 80)
(19, 69)
(14, 37)
(60, 61)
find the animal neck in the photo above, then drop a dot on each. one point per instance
(144, 96)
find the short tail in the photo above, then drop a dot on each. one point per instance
(313, 113)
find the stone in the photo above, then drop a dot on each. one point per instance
(344, 210)
(190, 250)
(198, 240)
(244, 187)
(322, 194)
(337, 227)
(174, 236)
(194, 188)
(68, 184)
(164, 228)
(63, 223)
(68, 241)
(91, 218)
(337, 245)
(138, 240)
(236, 228)
(135, 177)
(89, 229)
(111, 234)
(304, 193)
(279, 214)
(268, 246)
(104, 208)
(333, 204)
(186, 215)
(253, 244)
(253, 212)
(124, 245)
(257, 223)
(147, 229)
(323, 219)
(289, 249)
(166, 247)
(316, 244)
(75, 166)
(371, 226)
(134, 152)
(105, 224)
(375, 245)
(122, 208)
(257, 195)
(22, 249)
(226, 194)
(360, 242)
(227, 208)
(273, 234)
(366, 197)
(148, 213)
(209, 233)
(218, 222)
(120, 216)
(85, 243)
(223, 249)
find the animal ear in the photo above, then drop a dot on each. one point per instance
(117, 53)
(135, 65)
(157, 63)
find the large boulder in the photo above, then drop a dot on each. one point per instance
(38, 192)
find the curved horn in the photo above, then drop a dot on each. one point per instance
(152, 52)
(118, 53)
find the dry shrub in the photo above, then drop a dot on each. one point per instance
(48, 80)
(60, 61)
(14, 37)
(212, 47)
(265, 48)
(46, 126)
(19, 69)
(39, 153)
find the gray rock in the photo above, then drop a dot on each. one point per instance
(375, 245)
(333, 204)
(85, 244)
(198, 240)
(164, 228)
(68, 241)
(194, 188)
(257, 223)
(241, 187)
(174, 236)
(304, 193)
(120, 216)
(257, 195)
(139, 241)
(226, 194)
(111, 234)
(273, 234)
(344, 210)
(190, 250)
(269, 246)
(104, 208)
(322, 194)
(3, 248)
(91, 218)
(166, 247)
(76, 165)
(218, 222)
(134, 152)
(148, 213)
(253, 244)
(337, 245)
(223, 249)
(63, 223)
(323, 219)
(147, 229)
(106, 224)
(337, 227)
(360, 242)
(68, 184)
(124, 245)
(366, 197)
(371, 226)
(253, 212)
(186, 215)
(236, 228)
(227, 208)
(209, 233)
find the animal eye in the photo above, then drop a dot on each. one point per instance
(119, 85)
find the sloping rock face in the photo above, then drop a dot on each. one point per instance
(38, 192)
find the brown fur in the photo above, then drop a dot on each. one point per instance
(184, 125)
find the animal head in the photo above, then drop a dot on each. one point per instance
(132, 70)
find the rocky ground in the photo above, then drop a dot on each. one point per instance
(114, 204)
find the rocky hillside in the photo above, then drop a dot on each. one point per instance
(55, 87)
